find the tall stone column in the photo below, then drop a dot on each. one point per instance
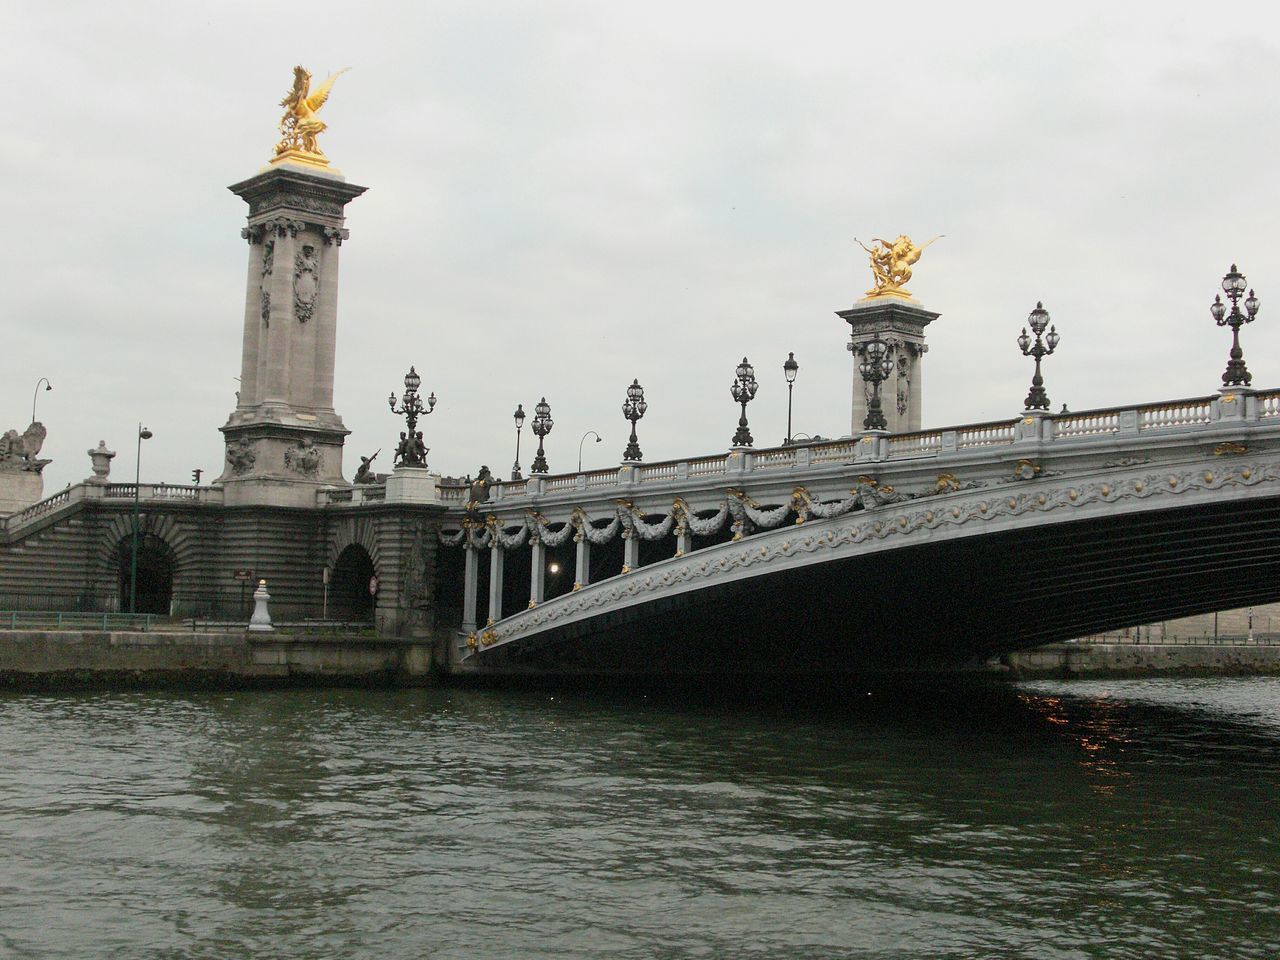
(470, 587)
(537, 571)
(496, 559)
(583, 570)
(284, 439)
(900, 323)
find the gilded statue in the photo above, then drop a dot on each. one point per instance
(300, 123)
(891, 264)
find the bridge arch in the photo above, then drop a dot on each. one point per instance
(935, 580)
(166, 557)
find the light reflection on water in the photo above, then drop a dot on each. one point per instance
(1117, 819)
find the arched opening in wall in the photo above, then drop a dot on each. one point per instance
(562, 564)
(606, 559)
(349, 596)
(451, 568)
(651, 551)
(723, 535)
(154, 575)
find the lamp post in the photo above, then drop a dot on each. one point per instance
(633, 409)
(743, 390)
(519, 418)
(1037, 399)
(542, 424)
(411, 452)
(47, 387)
(789, 370)
(143, 434)
(582, 441)
(1233, 284)
(875, 367)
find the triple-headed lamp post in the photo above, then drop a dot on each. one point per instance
(875, 367)
(1233, 285)
(1037, 399)
(519, 418)
(789, 370)
(542, 424)
(743, 390)
(412, 452)
(633, 409)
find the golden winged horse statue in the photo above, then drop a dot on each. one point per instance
(300, 123)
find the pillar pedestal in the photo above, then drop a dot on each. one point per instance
(900, 323)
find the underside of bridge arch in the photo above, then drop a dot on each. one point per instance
(934, 604)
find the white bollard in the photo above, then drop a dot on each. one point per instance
(260, 622)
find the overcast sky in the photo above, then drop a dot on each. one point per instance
(564, 196)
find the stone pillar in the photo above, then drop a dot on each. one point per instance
(630, 551)
(684, 541)
(582, 574)
(470, 587)
(900, 323)
(284, 439)
(496, 559)
(537, 571)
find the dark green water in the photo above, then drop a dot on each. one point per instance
(1086, 819)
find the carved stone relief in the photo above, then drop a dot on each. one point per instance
(241, 456)
(306, 282)
(305, 458)
(268, 261)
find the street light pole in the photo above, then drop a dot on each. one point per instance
(633, 408)
(743, 390)
(1037, 399)
(542, 424)
(789, 370)
(583, 440)
(47, 386)
(1233, 284)
(875, 368)
(411, 452)
(519, 418)
(143, 434)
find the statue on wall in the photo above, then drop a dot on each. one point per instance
(891, 265)
(364, 472)
(21, 451)
(300, 123)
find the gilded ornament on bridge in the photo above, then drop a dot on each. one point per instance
(891, 264)
(300, 123)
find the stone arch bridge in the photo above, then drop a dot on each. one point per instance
(885, 551)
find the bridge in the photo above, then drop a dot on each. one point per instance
(886, 551)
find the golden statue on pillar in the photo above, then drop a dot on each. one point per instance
(300, 125)
(891, 263)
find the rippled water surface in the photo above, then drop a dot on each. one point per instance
(1057, 820)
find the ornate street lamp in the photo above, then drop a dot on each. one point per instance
(1037, 399)
(143, 434)
(875, 367)
(411, 452)
(633, 409)
(743, 391)
(542, 424)
(789, 370)
(1233, 284)
(47, 386)
(519, 418)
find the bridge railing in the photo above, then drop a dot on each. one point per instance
(146, 492)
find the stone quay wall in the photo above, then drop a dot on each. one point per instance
(44, 658)
(1143, 660)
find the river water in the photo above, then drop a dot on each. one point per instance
(1058, 820)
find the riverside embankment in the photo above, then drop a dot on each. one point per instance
(1226, 658)
(32, 657)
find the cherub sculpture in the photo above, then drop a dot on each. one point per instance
(300, 125)
(891, 264)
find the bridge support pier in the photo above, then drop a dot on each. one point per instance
(537, 572)
(470, 586)
(497, 556)
(582, 575)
